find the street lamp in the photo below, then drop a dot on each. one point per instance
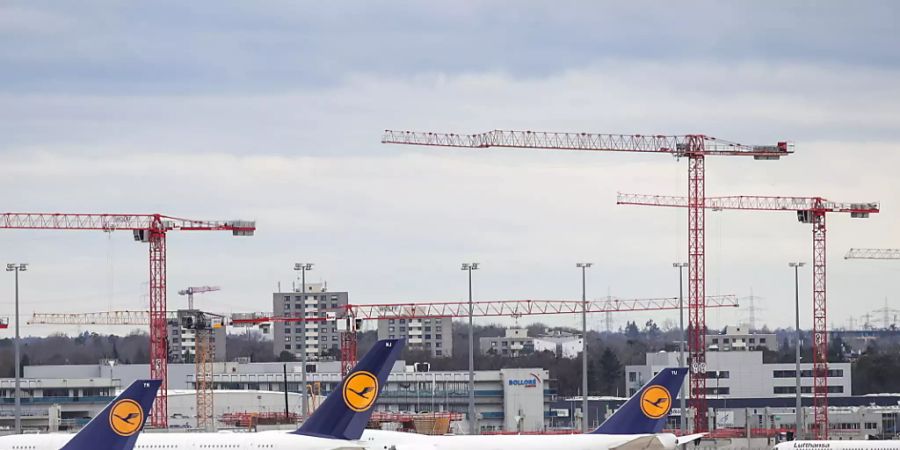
(17, 267)
(680, 266)
(303, 267)
(584, 380)
(798, 418)
(469, 267)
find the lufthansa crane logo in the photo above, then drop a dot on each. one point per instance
(360, 391)
(656, 401)
(126, 417)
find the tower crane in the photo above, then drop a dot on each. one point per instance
(694, 147)
(149, 228)
(196, 290)
(811, 210)
(202, 327)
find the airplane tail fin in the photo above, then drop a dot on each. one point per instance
(117, 427)
(346, 411)
(646, 411)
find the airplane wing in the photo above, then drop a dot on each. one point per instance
(646, 442)
(690, 438)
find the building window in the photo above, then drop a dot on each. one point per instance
(427, 336)
(437, 345)
(762, 340)
(402, 320)
(437, 353)
(391, 329)
(632, 376)
(402, 328)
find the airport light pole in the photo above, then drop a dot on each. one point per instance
(304, 402)
(19, 267)
(469, 267)
(584, 371)
(798, 418)
(680, 266)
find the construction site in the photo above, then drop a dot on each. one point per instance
(532, 285)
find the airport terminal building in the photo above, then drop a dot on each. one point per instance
(508, 400)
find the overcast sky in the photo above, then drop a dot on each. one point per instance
(273, 111)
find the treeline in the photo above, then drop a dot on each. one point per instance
(608, 353)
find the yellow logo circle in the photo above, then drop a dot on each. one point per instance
(360, 391)
(126, 417)
(656, 401)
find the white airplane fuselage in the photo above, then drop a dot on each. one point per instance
(394, 440)
(371, 440)
(273, 440)
(839, 445)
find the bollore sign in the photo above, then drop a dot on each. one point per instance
(525, 382)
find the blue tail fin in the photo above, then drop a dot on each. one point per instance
(346, 411)
(117, 427)
(646, 411)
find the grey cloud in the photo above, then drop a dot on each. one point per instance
(178, 47)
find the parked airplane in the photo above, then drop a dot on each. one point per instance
(335, 425)
(838, 445)
(117, 427)
(636, 425)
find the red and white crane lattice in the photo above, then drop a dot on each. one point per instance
(810, 210)
(150, 228)
(694, 147)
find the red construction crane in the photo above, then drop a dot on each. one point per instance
(484, 308)
(196, 290)
(810, 210)
(202, 326)
(694, 147)
(150, 228)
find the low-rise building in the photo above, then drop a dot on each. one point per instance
(744, 375)
(739, 338)
(564, 344)
(59, 403)
(514, 342)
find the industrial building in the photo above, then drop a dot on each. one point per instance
(432, 335)
(322, 337)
